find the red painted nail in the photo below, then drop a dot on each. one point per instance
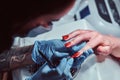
(68, 44)
(77, 54)
(65, 37)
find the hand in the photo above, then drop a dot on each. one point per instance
(52, 49)
(79, 59)
(61, 72)
(102, 44)
(55, 50)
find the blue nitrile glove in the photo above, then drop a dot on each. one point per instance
(55, 49)
(61, 72)
(52, 49)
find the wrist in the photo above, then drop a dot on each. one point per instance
(115, 47)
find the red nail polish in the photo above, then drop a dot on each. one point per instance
(65, 37)
(77, 54)
(68, 44)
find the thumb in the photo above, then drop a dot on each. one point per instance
(61, 54)
(77, 47)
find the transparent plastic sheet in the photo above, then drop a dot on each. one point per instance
(92, 70)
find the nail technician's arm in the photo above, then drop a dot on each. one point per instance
(15, 58)
(102, 44)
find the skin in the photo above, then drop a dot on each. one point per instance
(103, 45)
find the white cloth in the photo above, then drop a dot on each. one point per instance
(92, 70)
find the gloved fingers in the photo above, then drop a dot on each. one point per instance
(88, 52)
(41, 72)
(58, 43)
(45, 68)
(78, 61)
(80, 52)
(69, 77)
(35, 54)
(67, 72)
(28, 79)
(69, 64)
(61, 67)
(60, 54)
(78, 47)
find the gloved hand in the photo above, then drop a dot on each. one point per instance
(55, 49)
(61, 72)
(52, 49)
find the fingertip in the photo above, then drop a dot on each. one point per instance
(90, 51)
(63, 60)
(70, 61)
(62, 65)
(65, 37)
(68, 44)
(77, 54)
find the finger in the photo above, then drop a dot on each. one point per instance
(44, 69)
(61, 67)
(78, 39)
(78, 46)
(87, 53)
(91, 44)
(69, 63)
(104, 50)
(74, 33)
(61, 55)
(67, 72)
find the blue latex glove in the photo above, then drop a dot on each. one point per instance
(55, 49)
(52, 49)
(61, 72)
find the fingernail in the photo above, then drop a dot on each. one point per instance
(65, 37)
(77, 54)
(68, 44)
